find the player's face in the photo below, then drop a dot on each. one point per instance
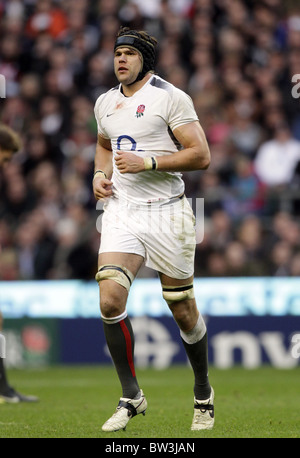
(127, 65)
(5, 156)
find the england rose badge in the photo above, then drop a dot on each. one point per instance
(140, 111)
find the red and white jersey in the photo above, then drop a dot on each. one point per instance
(143, 124)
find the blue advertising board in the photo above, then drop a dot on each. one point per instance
(250, 321)
(214, 296)
(248, 341)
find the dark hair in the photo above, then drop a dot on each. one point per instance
(138, 33)
(142, 42)
(9, 139)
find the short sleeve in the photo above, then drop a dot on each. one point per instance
(182, 109)
(97, 111)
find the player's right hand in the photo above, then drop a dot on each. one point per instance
(102, 188)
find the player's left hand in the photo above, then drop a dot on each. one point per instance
(129, 163)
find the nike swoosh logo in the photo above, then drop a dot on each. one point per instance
(110, 114)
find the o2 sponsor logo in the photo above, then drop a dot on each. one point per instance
(2, 87)
(296, 87)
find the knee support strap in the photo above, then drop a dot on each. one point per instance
(178, 293)
(119, 274)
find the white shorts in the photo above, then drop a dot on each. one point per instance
(163, 234)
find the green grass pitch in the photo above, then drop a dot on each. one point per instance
(75, 401)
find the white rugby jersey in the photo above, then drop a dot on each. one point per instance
(143, 124)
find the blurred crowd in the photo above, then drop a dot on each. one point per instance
(238, 60)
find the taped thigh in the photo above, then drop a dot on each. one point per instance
(178, 293)
(117, 273)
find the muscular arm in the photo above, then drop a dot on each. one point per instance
(103, 161)
(103, 156)
(195, 154)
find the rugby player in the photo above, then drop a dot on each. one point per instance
(9, 145)
(148, 133)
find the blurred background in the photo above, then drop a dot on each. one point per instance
(239, 61)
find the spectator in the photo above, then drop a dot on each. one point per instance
(236, 260)
(246, 193)
(46, 18)
(295, 265)
(34, 248)
(281, 257)
(277, 159)
(236, 59)
(217, 265)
